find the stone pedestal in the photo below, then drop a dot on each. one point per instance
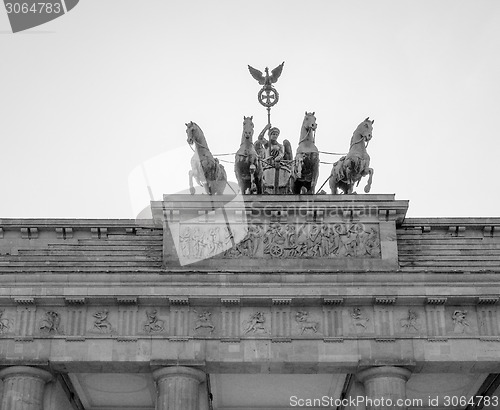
(385, 387)
(178, 388)
(23, 388)
(280, 232)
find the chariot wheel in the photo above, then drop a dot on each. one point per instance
(276, 251)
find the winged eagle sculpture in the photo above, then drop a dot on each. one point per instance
(266, 80)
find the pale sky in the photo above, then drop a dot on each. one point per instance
(93, 101)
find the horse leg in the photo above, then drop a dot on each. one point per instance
(333, 184)
(315, 176)
(253, 187)
(369, 184)
(191, 187)
(221, 180)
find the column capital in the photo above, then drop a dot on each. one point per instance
(383, 371)
(28, 371)
(179, 371)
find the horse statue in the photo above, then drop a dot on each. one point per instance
(349, 170)
(247, 165)
(205, 169)
(306, 169)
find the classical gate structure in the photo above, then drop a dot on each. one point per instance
(251, 302)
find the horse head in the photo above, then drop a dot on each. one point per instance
(309, 122)
(194, 133)
(365, 129)
(247, 134)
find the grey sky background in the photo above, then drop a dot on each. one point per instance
(96, 100)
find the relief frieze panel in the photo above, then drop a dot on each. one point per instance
(306, 324)
(233, 322)
(101, 323)
(411, 322)
(256, 324)
(281, 240)
(204, 322)
(5, 323)
(360, 321)
(153, 323)
(50, 324)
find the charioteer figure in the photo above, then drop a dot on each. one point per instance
(275, 151)
(277, 160)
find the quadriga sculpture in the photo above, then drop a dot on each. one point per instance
(306, 169)
(247, 164)
(349, 170)
(205, 169)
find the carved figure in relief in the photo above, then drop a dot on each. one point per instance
(153, 324)
(302, 318)
(410, 322)
(4, 322)
(204, 321)
(51, 322)
(369, 242)
(314, 240)
(101, 323)
(247, 164)
(349, 170)
(253, 238)
(358, 319)
(256, 323)
(274, 239)
(306, 165)
(205, 169)
(460, 321)
(185, 241)
(214, 241)
(348, 239)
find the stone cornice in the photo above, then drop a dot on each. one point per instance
(214, 299)
(383, 207)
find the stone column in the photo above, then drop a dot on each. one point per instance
(385, 386)
(23, 387)
(177, 388)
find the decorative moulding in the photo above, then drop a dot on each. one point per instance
(282, 301)
(230, 301)
(333, 340)
(25, 301)
(487, 300)
(230, 339)
(126, 300)
(183, 300)
(333, 301)
(437, 339)
(281, 340)
(383, 300)
(74, 301)
(436, 301)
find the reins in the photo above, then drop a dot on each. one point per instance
(308, 131)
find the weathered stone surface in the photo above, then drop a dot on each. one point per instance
(385, 387)
(98, 296)
(293, 234)
(178, 387)
(23, 387)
